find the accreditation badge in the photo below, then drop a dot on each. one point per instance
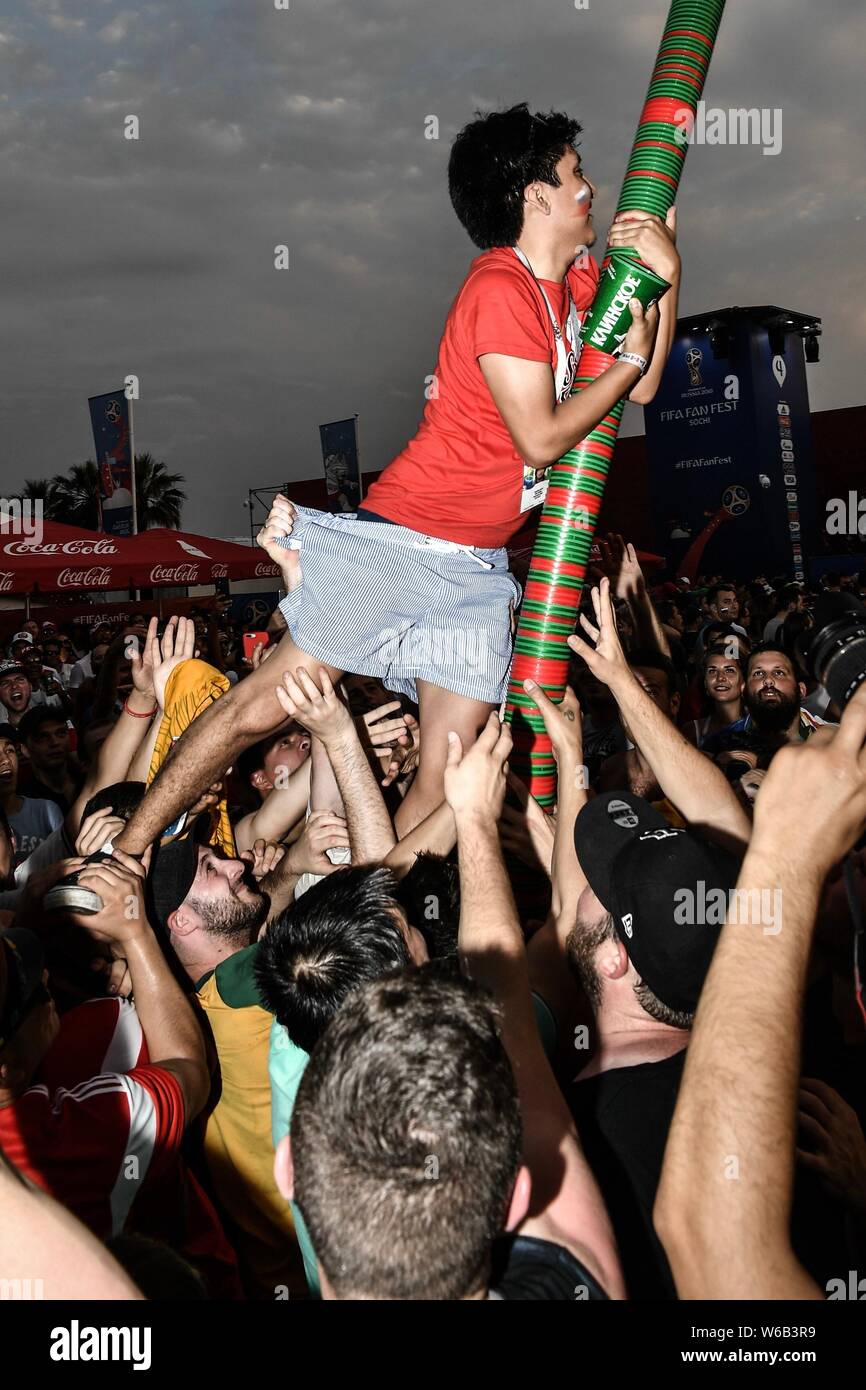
(535, 482)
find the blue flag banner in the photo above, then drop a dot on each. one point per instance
(342, 464)
(110, 416)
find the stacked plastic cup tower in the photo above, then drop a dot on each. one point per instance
(576, 486)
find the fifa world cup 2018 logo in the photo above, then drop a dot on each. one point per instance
(694, 358)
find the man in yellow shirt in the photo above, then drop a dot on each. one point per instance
(211, 913)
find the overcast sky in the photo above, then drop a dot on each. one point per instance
(307, 127)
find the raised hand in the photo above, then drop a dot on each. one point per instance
(324, 830)
(263, 858)
(654, 240)
(835, 1146)
(143, 662)
(620, 564)
(260, 654)
(96, 828)
(317, 707)
(119, 882)
(475, 780)
(812, 806)
(641, 334)
(563, 724)
(177, 645)
(280, 523)
(606, 659)
(529, 833)
(384, 725)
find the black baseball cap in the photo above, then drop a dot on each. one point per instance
(174, 868)
(22, 961)
(643, 871)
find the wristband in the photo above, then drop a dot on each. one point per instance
(149, 715)
(635, 359)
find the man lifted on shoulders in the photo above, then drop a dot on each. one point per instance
(416, 589)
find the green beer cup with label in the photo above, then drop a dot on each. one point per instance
(623, 278)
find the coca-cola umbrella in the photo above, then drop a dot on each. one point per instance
(176, 554)
(68, 559)
(65, 558)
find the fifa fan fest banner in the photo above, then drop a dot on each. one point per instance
(342, 464)
(730, 456)
(576, 487)
(111, 418)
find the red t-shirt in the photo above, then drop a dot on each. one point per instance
(91, 1143)
(101, 1130)
(461, 477)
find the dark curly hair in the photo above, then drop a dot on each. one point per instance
(494, 158)
(342, 931)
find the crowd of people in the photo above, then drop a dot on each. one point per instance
(304, 995)
(264, 1037)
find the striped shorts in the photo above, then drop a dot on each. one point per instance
(380, 600)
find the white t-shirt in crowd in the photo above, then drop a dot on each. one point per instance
(63, 672)
(53, 848)
(33, 823)
(82, 671)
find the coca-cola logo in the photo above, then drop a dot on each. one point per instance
(6, 578)
(82, 547)
(264, 569)
(219, 571)
(174, 574)
(98, 577)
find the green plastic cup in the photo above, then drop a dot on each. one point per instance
(690, 17)
(648, 195)
(658, 130)
(665, 161)
(681, 44)
(670, 87)
(701, 11)
(684, 53)
(662, 161)
(623, 279)
(655, 187)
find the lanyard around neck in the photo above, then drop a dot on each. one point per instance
(565, 361)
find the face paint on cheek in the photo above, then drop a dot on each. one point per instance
(582, 198)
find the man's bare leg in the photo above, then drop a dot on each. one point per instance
(212, 742)
(440, 712)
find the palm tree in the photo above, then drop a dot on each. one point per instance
(36, 490)
(72, 497)
(159, 499)
(41, 491)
